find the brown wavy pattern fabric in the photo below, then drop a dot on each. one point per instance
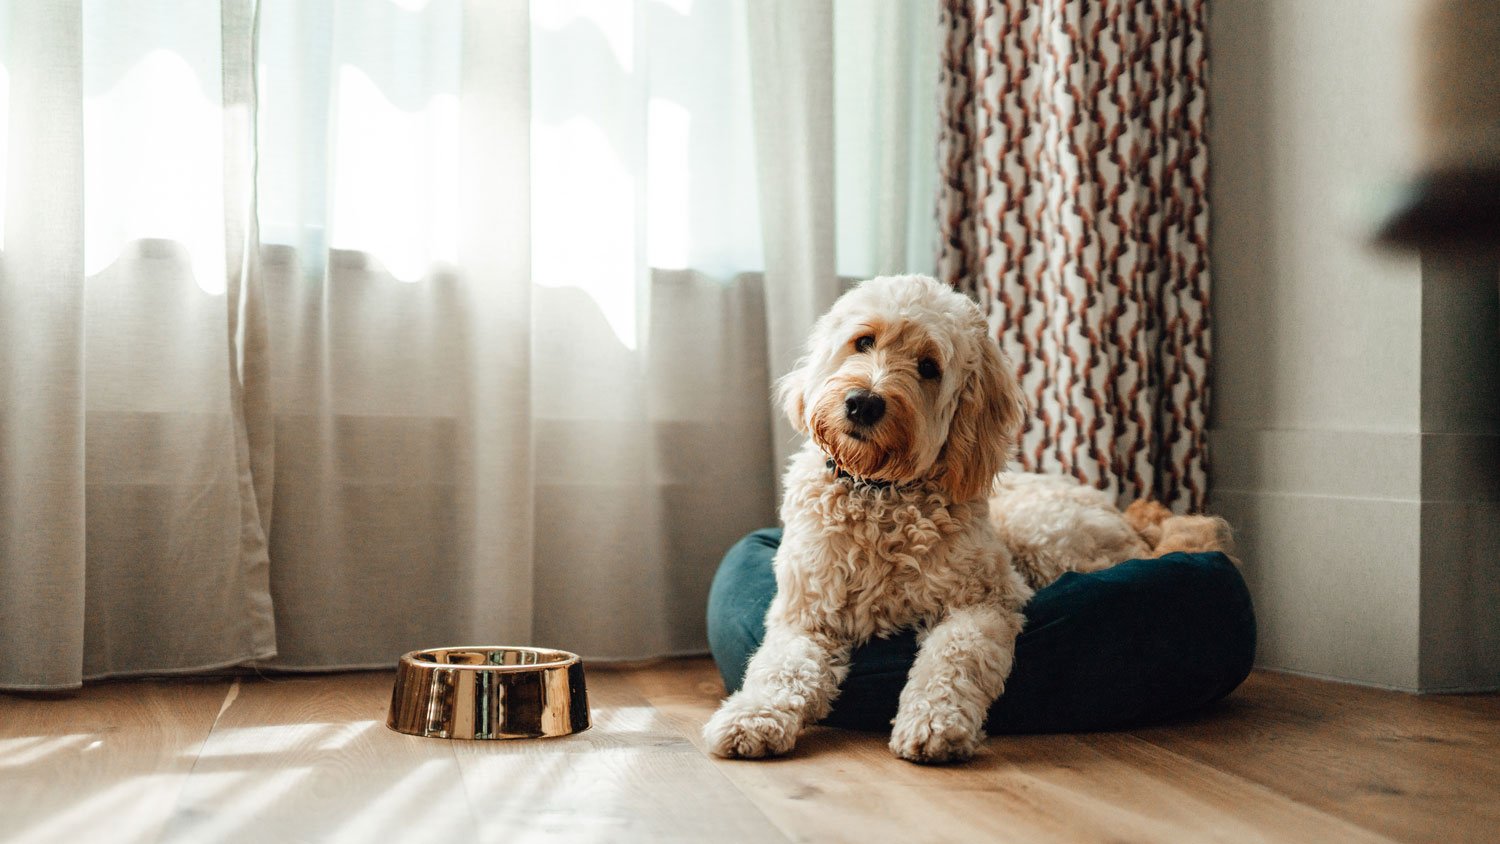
(1073, 207)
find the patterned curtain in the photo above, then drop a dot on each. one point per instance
(1073, 207)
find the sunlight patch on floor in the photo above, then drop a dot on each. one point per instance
(624, 719)
(281, 738)
(17, 752)
(227, 803)
(118, 809)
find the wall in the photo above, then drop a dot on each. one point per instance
(1460, 525)
(1344, 420)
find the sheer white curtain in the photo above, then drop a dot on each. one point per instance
(335, 328)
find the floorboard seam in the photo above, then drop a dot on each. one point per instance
(230, 695)
(1256, 785)
(786, 834)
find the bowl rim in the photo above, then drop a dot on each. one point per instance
(563, 659)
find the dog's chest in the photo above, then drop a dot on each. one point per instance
(884, 560)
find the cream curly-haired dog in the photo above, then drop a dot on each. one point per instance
(912, 410)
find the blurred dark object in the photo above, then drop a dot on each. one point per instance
(1453, 209)
(1455, 201)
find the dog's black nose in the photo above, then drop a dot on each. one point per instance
(863, 407)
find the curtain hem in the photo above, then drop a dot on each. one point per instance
(241, 668)
(143, 674)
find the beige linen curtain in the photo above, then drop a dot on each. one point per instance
(335, 328)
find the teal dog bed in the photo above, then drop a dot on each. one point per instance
(1139, 643)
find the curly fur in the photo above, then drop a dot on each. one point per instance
(1167, 533)
(889, 525)
(1052, 524)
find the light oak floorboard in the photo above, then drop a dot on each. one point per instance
(310, 759)
(295, 759)
(632, 777)
(1416, 768)
(1100, 787)
(109, 760)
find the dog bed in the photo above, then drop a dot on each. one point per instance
(1138, 643)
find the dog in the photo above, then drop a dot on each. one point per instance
(911, 411)
(1051, 524)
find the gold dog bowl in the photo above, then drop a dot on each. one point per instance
(489, 693)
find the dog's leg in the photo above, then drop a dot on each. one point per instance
(1195, 534)
(791, 682)
(1146, 516)
(960, 669)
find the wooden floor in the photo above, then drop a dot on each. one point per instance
(309, 759)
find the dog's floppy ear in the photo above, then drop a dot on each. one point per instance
(986, 426)
(790, 392)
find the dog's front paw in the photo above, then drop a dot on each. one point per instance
(930, 735)
(750, 731)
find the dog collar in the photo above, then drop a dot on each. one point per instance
(855, 480)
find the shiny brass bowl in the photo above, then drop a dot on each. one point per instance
(489, 693)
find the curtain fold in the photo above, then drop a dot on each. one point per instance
(114, 452)
(247, 354)
(885, 68)
(792, 63)
(393, 198)
(1073, 205)
(331, 329)
(42, 494)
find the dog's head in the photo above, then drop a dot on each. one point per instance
(902, 382)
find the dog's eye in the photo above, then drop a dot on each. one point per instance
(865, 343)
(928, 368)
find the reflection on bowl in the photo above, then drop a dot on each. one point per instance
(489, 693)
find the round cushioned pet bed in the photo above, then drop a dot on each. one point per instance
(1138, 643)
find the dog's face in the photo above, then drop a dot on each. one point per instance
(902, 382)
